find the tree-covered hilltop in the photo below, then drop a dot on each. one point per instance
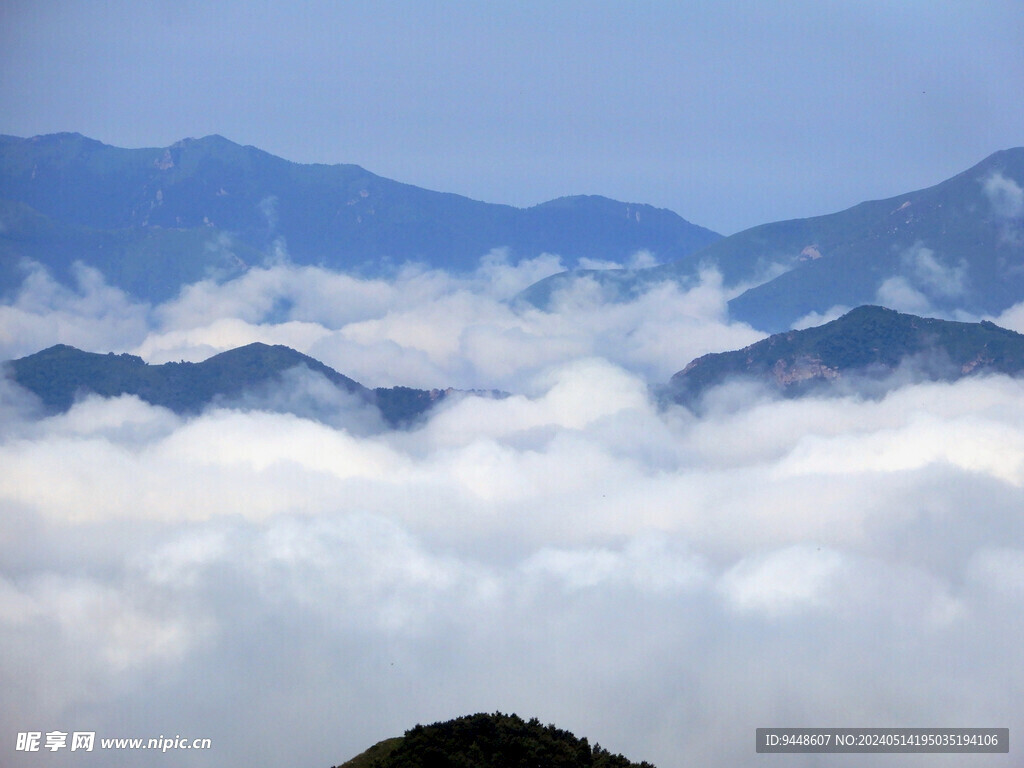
(251, 374)
(870, 342)
(489, 741)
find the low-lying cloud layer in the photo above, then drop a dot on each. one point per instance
(424, 328)
(660, 582)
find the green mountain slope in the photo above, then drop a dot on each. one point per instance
(868, 343)
(488, 741)
(233, 206)
(257, 375)
(956, 246)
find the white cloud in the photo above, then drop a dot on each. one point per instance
(596, 264)
(813, 319)
(897, 293)
(999, 571)
(1006, 199)
(925, 282)
(1004, 195)
(925, 279)
(936, 278)
(93, 315)
(648, 565)
(780, 582)
(1012, 318)
(268, 210)
(661, 581)
(197, 344)
(427, 329)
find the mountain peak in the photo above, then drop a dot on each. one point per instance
(152, 220)
(488, 740)
(869, 343)
(955, 246)
(253, 375)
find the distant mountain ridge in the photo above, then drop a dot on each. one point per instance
(866, 346)
(958, 245)
(60, 374)
(155, 219)
(869, 342)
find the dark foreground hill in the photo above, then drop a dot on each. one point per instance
(867, 345)
(958, 245)
(488, 741)
(152, 220)
(256, 375)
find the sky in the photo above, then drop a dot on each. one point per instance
(731, 114)
(297, 583)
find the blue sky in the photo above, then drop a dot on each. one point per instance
(730, 113)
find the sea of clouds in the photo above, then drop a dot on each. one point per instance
(661, 582)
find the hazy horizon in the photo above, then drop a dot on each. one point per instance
(731, 115)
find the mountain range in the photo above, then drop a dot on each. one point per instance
(153, 220)
(257, 376)
(865, 347)
(956, 246)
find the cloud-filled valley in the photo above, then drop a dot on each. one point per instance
(662, 581)
(652, 370)
(423, 328)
